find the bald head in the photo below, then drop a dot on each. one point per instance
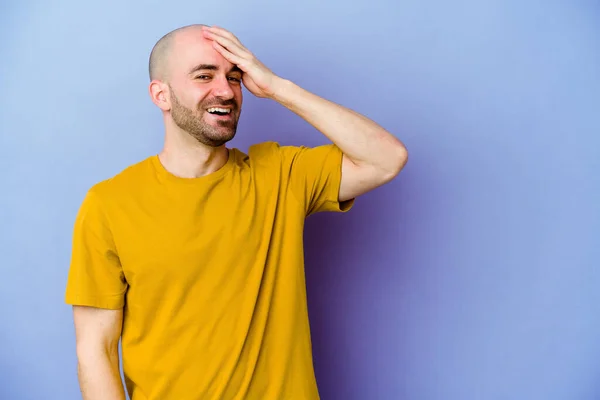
(158, 67)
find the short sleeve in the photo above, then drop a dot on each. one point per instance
(95, 276)
(315, 175)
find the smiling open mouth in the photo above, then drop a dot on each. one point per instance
(219, 111)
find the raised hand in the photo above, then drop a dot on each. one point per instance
(257, 78)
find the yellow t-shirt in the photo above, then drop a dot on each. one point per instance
(210, 272)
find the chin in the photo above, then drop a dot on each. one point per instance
(214, 140)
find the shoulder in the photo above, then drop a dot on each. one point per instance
(274, 152)
(127, 180)
(264, 154)
(265, 151)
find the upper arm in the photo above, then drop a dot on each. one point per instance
(97, 329)
(358, 179)
(95, 277)
(314, 175)
(96, 285)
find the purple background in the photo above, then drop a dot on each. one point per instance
(472, 276)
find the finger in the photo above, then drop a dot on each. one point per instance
(224, 32)
(229, 56)
(215, 30)
(229, 45)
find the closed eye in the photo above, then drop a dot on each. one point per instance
(231, 78)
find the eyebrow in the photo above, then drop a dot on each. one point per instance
(212, 67)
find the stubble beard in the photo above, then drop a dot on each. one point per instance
(192, 122)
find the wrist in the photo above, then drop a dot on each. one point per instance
(280, 90)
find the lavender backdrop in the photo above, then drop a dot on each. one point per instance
(473, 276)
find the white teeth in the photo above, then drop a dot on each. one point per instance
(217, 109)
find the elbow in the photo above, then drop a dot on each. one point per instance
(397, 162)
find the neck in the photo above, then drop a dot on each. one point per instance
(185, 157)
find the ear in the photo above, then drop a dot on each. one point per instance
(159, 93)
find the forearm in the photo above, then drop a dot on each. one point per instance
(362, 140)
(99, 376)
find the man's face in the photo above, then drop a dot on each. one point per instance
(205, 90)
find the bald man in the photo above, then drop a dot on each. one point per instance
(193, 257)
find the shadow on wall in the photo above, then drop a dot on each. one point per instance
(355, 263)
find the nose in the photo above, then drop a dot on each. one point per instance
(222, 88)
